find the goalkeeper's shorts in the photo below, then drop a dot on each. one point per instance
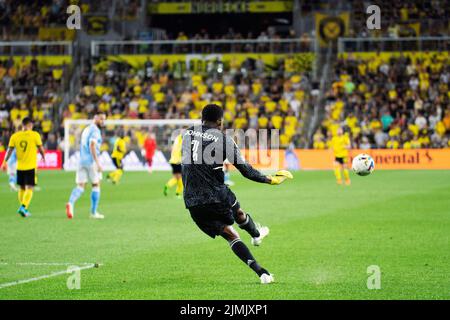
(214, 217)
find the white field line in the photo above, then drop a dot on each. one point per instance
(44, 263)
(46, 276)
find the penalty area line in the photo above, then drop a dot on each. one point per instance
(46, 276)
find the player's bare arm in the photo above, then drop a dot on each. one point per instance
(42, 152)
(8, 155)
(92, 146)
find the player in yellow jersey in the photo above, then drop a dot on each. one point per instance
(119, 151)
(340, 144)
(26, 143)
(175, 162)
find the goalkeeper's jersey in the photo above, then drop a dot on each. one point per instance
(204, 150)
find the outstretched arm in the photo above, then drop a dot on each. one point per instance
(235, 157)
(233, 154)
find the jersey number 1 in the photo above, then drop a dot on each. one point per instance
(195, 144)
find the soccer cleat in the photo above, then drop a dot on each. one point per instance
(13, 187)
(263, 232)
(348, 182)
(23, 211)
(179, 196)
(339, 182)
(267, 278)
(229, 183)
(97, 216)
(110, 180)
(69, 210)
(166, 189)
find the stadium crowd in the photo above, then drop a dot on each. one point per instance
(390, 102)
(27, 89)
(252, 96)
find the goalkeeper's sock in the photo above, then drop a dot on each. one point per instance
(179, 189)
(337, 173)
(27, 196)
(75, 195)
(249, 226)
(172, 182)
(20, 195)
(95, 199)
(240, 249)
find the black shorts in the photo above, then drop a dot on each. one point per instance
(214, 217)
(341, 160)
(26, 177)
(117, 163)
(176, 168)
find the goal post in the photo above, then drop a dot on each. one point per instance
(136, 131)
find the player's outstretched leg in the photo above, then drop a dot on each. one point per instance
(74, 196)
(179, 190)
(95, 199)
(171, 183)
(255, 230)
(241, 250)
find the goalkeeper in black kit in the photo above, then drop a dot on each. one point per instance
(212, 205)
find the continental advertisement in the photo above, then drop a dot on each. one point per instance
(385, 159)
(200, 7)
(199, 62)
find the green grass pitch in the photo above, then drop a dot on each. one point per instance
(323, 237)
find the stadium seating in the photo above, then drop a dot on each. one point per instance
(251, 96)
(390, 101)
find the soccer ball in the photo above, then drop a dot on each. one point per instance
(363, 164)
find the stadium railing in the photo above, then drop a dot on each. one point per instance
(394, 44)
(202, 46)
(35, 48)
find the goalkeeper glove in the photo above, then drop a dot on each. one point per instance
(280, 176)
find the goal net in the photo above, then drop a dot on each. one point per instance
(136, 133)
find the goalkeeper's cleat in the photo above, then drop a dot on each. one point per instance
(97, 216)
(267, 278)
(69, 210)
(339, 182)
(23, 212)
(229, 183)
(263, 232)
(348, 182)
(166, 189)
(179, 196)
(13, 187)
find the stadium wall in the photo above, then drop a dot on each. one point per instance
(302, 61)
(385, 159)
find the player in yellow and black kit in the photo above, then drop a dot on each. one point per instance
(119, 151)
(26, 143)
(340, 144)
(175, 162)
